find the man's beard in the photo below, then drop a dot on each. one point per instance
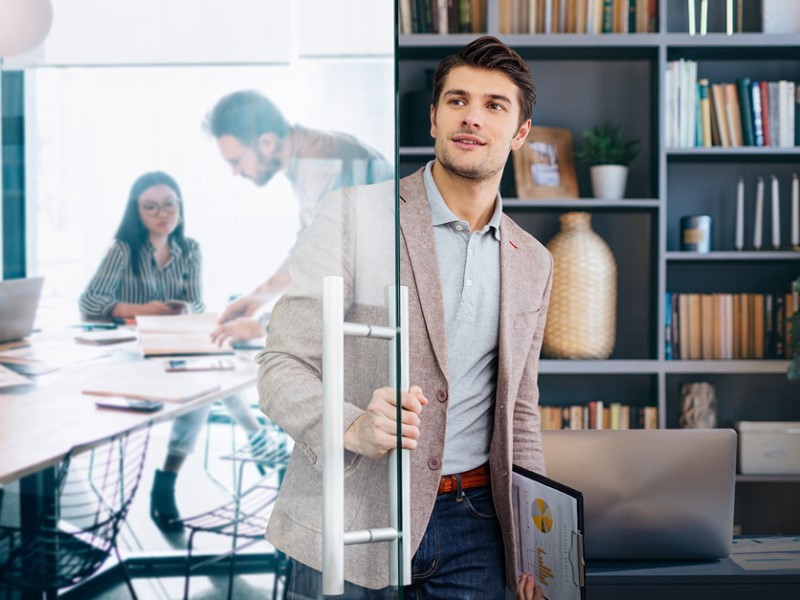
(268, 166)
(478, 172)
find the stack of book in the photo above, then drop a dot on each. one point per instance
(728, 326)
(744, 112)
(594, 415)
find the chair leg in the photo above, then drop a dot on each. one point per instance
(125, 573)
(230, 568)
(188, 565)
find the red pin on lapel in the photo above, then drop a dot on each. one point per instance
(513, 245)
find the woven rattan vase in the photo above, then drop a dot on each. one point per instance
(582, 318)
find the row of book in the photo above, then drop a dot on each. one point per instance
(530, 16)
(442, 16)
(578, 16)
(729, 326)
(729, 114)
(595, 415)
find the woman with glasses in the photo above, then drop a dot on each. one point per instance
(153, 269)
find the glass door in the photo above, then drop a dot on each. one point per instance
(209, 159)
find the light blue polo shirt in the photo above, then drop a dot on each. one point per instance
(469, 269)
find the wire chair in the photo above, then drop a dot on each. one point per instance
(246, 515)
(94, 488)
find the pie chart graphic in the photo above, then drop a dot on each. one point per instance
(542, 516)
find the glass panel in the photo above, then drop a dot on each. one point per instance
(195, 160)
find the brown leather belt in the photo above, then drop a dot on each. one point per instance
(477, 477)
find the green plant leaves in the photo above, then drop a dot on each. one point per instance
(603, 145)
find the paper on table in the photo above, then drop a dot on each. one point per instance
(51, 351)
(9, 378)
(767, 553)
(163, 389)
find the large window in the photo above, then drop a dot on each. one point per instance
(103, 107)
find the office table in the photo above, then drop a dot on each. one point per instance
(41, 422)
(702, 580)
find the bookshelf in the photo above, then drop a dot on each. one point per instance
(623, 74)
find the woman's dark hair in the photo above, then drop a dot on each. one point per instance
(132, 231)
(488, 52)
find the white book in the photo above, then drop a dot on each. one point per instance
(691, 104)
(179, 335)
(774, 113)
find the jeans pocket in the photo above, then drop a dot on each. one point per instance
(479, 502)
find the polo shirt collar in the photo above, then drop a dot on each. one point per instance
(442, 215)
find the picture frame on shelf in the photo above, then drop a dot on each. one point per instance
(544, 167)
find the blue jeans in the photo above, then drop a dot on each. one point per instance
(460, 557)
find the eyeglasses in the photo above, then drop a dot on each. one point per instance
(151, 209)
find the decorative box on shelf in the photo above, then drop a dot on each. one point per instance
(769, 447)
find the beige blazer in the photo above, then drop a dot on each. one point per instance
(353, 236)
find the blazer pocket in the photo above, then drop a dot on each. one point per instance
(526, 319)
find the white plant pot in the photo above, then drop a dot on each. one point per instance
(608, 181)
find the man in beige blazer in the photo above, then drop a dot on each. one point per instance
(479, 288)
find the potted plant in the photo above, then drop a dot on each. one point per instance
(608, 157)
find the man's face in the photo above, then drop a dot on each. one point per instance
(476, 123)
(257, 163)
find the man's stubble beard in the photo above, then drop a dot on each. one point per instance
(268, 167)
(480, 172)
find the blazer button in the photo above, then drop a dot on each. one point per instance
(441, 396)
(434, 463)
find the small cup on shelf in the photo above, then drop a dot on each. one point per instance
(696, 233)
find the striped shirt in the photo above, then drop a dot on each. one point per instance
(115, 282)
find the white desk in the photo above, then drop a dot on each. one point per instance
(40, 423)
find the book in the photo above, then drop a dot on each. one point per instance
(774, 113)
(720, 114)
(758, 123)
(757, 322)
(160, 389)
(763, 87)
(733, 114)
(743, 85)
(668, 328)
(548, 526)
(179, 335)
(106, 337)
(705, 112)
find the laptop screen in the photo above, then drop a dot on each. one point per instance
(19, 299)
(649, 494)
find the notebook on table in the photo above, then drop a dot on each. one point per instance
(19, 299)
(650, 494)
(179, 335)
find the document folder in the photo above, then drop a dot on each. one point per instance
(548, 519)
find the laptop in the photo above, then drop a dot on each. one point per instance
(649, 494)
(19, 299)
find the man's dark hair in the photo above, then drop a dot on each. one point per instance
(132, 231)
(246, 115)
(488, 52)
